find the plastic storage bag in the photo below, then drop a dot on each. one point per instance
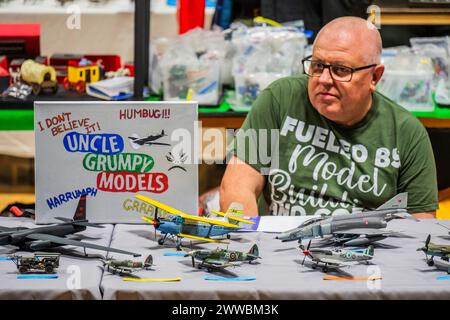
(191, 67)
(264, 54)
(407, 80)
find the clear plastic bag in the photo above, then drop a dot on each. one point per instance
(407, 80)
(191, 67)
(438, 49)
(264, 54)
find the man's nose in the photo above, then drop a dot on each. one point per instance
(325, 77)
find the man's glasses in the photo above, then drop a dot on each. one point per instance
(338, 72)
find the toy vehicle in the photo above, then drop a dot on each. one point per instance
(42, 78)
(80, 75)
(41, 261)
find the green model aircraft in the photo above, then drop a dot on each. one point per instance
(222, 258)
(435, 250)
(123, 267)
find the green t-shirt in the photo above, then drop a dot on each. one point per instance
(315, 166)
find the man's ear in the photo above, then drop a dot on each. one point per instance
(376, 76)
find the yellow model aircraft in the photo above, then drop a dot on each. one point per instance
(179, 225)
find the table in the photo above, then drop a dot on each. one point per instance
(279, 274)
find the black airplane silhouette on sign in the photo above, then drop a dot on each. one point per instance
(149, 140)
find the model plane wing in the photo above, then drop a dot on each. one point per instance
(157, 143)
(364, 231)
(174, 211)
(6, 229)
(149, 220)
(329, 261)
(221, 263)
(215, 262)
(70, 242)
(201, 238)
(210, 221)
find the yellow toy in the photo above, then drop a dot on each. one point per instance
(79, 76)
(39, 76)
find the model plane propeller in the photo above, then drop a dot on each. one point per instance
(306, 251)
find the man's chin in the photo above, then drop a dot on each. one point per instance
(331, 112)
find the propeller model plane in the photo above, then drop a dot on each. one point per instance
(222, 258)
(435, 250)
(41, 238)
(336, 258)
(127, 267)
(356, 229)
(179, 225)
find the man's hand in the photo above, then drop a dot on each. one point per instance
(425, 215)
(241, 183)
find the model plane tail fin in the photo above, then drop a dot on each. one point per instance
(80, 212)
(235, 213)
(369, 251)
(400, 201)
(254, 251)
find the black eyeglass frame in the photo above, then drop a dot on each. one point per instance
(328, 66)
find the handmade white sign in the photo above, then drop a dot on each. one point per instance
(111, 151)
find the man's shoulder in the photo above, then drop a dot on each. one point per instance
(285, 89)
(291, 83)
(402, 118)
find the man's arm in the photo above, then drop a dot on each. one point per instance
(425, 215)
(241, 183)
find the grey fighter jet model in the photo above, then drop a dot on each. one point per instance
(41, 238)
(337, 258)
(357, 229)
(222, 258)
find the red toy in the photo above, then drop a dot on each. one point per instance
(20, 40)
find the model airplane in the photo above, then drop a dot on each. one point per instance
(137, 142)
(336, 258)
(435, 250)
(41, 238)
(352, 229)
(180, 225)
(222, 258)
(123, 267)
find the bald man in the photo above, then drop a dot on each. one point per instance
(326, 142)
